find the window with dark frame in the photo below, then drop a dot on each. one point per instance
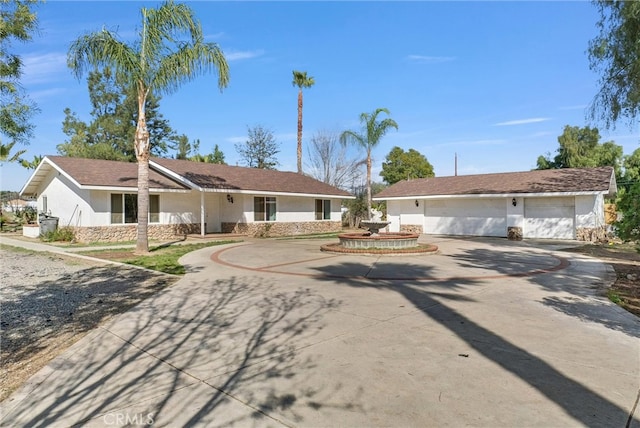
(124, 208)
(264, 208)
(323, 209)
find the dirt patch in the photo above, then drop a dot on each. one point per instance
(49, 302)
(115, 255)
(625, 260)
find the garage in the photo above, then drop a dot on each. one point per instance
(478, 217)
(549, 218)
(565, 203)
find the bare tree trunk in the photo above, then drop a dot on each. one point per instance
(368, 214)
(300, 132)
(142, 146)
(142, 242)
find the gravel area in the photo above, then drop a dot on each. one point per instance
(48, 302)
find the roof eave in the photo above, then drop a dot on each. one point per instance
(493, 195)
(175, 176)
(132, 189)
(36, 172)
(272, 193)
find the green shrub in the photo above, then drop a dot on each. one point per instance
(26, 215)
(628, 227)
(62, 234)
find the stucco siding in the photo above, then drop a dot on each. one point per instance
(71, 205)
(290, 209)
(240, 210)
(299, 209)
(101, 212)
(515, 213)
(180, 208)
(589, 211)
(394, 210)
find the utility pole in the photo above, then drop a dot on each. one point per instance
(456, 163)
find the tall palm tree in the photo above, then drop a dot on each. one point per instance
(159, 61)
(372, 132)
(301, 80)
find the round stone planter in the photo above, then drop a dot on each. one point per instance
(383, 243)
(381, 240)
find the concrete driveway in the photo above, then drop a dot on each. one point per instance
(277, 333)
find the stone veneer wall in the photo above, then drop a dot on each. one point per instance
(592, 234)
(411, 228)
(129, 232)
(514, 233)
(267, 229)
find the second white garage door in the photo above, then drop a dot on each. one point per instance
(549, 218)
(479, 217)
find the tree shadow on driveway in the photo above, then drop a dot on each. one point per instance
(578, 289)
(576, 399)
(205, 355)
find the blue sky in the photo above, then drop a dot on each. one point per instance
(494, 82)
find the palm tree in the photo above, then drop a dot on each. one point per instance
(372, 132)
(5, 153)
(37, 159)
(301, 80)
(159, 62)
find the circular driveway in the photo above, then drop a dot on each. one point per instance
(453, 261)
(487, 332)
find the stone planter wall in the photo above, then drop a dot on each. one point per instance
(514, 233)
(129, 232)
(591, 234)
(411, 228)
(268, 229)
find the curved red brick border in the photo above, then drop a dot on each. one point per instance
(563, 263)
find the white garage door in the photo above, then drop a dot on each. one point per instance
(551, 218)
(479, 217)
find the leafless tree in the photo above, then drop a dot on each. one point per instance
(330, 163)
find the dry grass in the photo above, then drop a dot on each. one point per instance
(49, 302)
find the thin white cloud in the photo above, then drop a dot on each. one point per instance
(43, 68)
(426, 59)
(577, 107)
(522, 121)
(240, 55)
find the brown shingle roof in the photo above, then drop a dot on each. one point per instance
(229, 178)
(543, 181)
(97, 172)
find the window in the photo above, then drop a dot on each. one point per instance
(264, 209)
(154, 209)
(323, 209)
(124, 208)
(116, 208)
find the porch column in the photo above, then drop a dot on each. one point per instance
(202, 214)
